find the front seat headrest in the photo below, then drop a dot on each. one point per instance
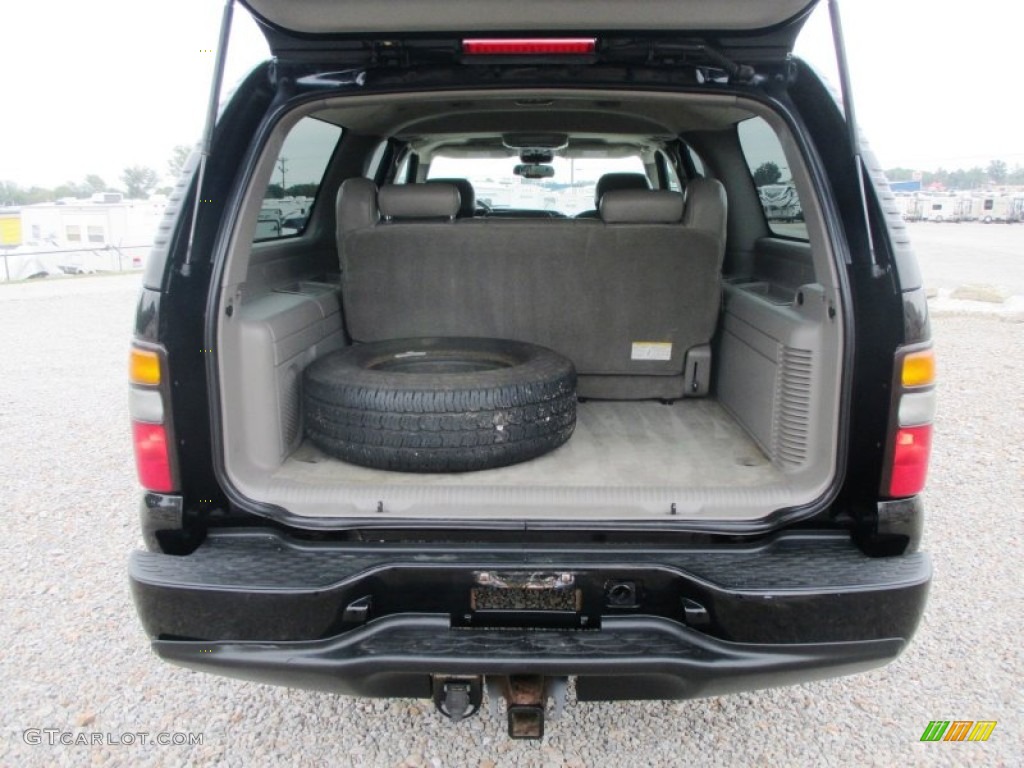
(467, 209)
(418, 201)
(613, 182)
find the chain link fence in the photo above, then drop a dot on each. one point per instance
(24, 263)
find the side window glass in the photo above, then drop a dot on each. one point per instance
(373, 166)
(408, 166)
(772, 177)
(671, 177)
(698, 164)
(402, 172)
(293, 186)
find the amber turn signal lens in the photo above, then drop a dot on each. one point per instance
(919, 368)
(144, 367)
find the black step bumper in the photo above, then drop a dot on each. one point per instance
(259, 606)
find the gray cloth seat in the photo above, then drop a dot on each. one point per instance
(626, 298)
(467, 209)
(614, 182)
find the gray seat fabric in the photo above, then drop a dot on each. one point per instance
(357, 205)
(625, 299)
(631, 206)
(418, 201)
(706, 206)
(614, 182)
(468, 208)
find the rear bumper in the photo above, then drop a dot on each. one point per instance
(258, 606)
(628, 658)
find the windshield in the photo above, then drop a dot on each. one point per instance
(569, 191)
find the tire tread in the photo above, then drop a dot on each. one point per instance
(465, 423)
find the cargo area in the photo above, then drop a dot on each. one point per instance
(709, 346)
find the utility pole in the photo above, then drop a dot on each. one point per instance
(282, 164)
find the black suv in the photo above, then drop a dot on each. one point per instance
(478, 353)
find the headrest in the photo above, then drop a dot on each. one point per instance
(467, 209)
(706, 205)
(642, 206)
(418, 201)
(612, 182)
(357, 204)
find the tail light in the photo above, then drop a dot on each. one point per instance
(910, 438)
(148, 409)
(152, 458)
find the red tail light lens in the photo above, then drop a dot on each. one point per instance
(913, 408)
(910, 460)
(151, 456)
(530, 46)
(149, 412)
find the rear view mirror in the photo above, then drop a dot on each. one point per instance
(534, 171)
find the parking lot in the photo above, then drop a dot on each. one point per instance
(970, 252)
(75, 660)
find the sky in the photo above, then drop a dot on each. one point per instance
(93, 87)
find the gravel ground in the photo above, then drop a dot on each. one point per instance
(75, 659)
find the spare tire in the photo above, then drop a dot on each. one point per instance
(439, 404)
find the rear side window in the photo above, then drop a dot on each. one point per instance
(770, 171)
(671, 177)
(298, 171)
(698, 164)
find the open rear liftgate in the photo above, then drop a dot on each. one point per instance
(517, 600)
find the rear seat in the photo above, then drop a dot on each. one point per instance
(631, 298)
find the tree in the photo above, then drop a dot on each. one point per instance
(139, 180)
(11, 193)
(939, 177)
(969, 179)
(767, 173)
(95, 184)
(900, 174)
(302, 190)
(997, 171)
(177, 160)
(70, 189)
